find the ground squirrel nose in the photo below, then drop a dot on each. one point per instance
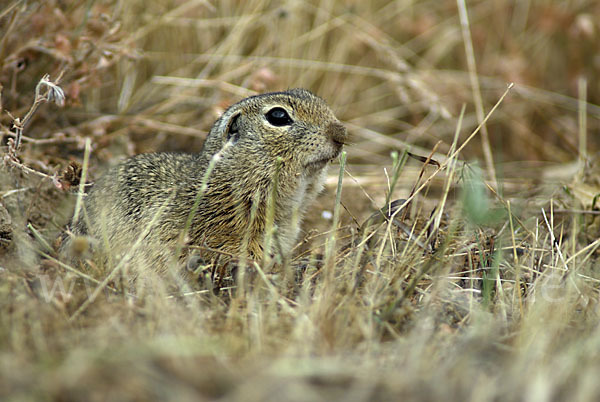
(337, 132)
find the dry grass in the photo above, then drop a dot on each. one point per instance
(484, 288)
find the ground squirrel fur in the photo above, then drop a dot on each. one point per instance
(294, 132)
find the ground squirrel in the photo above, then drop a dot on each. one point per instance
(293, 132)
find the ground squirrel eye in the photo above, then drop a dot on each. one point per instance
(279, 117)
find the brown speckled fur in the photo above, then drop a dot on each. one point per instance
(123, 202)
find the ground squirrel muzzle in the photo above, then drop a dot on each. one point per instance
(152, 206)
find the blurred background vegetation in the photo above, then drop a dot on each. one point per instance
(160, 72)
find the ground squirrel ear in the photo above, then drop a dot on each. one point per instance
(232, 133)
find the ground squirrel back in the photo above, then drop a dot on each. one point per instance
(156, 196)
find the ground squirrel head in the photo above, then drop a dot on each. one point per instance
(295, 125)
